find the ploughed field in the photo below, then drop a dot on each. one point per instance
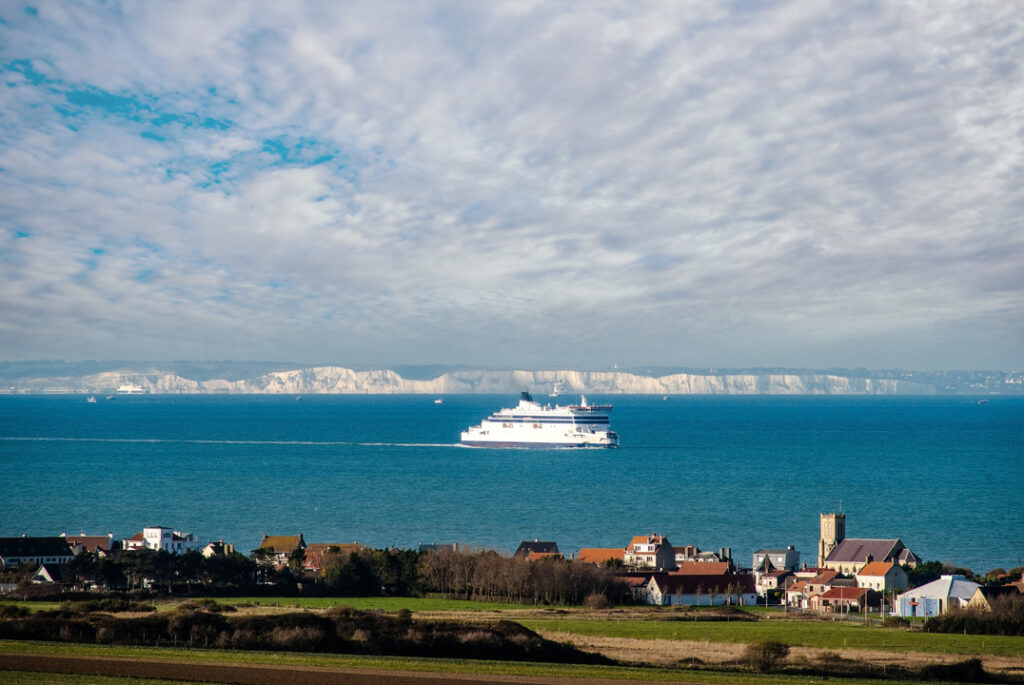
(381, 640)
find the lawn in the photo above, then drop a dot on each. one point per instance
(820, 634)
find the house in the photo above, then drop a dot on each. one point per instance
(277, 549)
(850, 555)
(51, 573)
(771, 580)
(526, 548)
(936, 597)
(217, 549)
(838, 599)
(672, 590)
(650, 551)
(601, 556)
(776, 559)
(164, 539)
(985, 595)
(93, 544)
(41, 550)
(692, 553)
(801, 593)
(882, 576)
(319, 554)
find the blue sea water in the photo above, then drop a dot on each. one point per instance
(944, 474)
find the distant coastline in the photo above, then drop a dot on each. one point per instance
(271, 378)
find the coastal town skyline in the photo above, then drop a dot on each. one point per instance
(514, 184)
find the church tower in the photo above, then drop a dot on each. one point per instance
(833, 531)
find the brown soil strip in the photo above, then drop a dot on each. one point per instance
(238, 674)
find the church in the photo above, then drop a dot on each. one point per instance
(849, 555)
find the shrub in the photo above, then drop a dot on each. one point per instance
(596, 600)
(12, 611)
(969, 671)
(895, 622)
(765, 655)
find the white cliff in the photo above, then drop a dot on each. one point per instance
(341, 380)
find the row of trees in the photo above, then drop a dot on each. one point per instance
(369, 572)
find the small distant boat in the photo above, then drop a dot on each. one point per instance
(111, 397)
(439, 401)
(298, 398)
(556, 389)
(982, 401)
(664, 397)
(91, 399)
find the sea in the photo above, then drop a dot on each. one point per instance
(945, 474)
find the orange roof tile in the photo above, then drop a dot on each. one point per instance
(702, 568)
(876, 568)
(597, 555)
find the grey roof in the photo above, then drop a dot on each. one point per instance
(527, 547)
(34, 547)
(858, 549)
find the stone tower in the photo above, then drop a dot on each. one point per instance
(833, 530)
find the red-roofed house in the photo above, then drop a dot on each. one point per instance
(846, 598)
(882, 575)
(318, 554)
(670, 590)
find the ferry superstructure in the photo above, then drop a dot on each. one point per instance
(531, 425)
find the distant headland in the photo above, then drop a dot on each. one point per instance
(280, 378)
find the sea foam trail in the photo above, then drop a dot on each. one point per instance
(149, 441)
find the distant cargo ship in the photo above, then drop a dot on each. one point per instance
(531, 425)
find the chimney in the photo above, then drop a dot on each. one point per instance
(870, 558)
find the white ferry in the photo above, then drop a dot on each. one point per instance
(131, 389)
(533, 425)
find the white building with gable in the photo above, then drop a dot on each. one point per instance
(161, 538)
(936, 597)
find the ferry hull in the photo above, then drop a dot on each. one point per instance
(535, 445)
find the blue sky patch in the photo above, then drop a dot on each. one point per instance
(25, 68)
(129, 107)
(294, 150)
(152, 136)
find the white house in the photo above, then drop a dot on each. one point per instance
(161, 538)
(881, 576)
(650, 551)
(936, 597)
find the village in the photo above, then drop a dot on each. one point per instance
(850, 575)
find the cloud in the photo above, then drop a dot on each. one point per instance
(514, 184)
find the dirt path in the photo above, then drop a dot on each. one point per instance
(247, 674)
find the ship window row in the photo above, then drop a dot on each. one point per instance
(539, 419)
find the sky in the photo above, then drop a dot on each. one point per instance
(514, 183)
